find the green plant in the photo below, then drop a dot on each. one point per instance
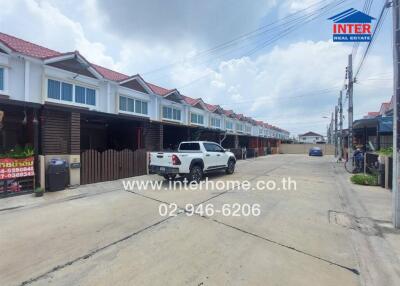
(386, 152)
(29, 151)
(18, 152)
(364, 179)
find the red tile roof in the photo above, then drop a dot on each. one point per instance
(211, 107)
(158, 89)
(239, 116)
(110, 74)
(27, 48)
(40, 52)
(228, 112)
(190, 100)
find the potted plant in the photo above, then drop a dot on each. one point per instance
(39, 192)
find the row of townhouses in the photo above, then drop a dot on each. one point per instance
(63, 105)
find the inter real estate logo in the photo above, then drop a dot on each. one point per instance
(352, 26)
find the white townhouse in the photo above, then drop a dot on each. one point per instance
(65, 106)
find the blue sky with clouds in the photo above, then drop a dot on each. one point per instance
(291, 83)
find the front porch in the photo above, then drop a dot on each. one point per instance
(19, 147)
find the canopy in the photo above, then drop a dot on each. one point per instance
(385, 124)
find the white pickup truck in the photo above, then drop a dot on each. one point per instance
(193, 159)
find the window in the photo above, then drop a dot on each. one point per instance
(122, 103)
(140, 107)
(215, 122)
(211, 147)
(171, 113)
(189, 147)
(229, 125)
(1, 78)
(64, 91)
(248, 129)
(196, 118)
(239, 127)
(53, 89)
(132, 105)
(85, 95)
(90, 96)
(79, 94)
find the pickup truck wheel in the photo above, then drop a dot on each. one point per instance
(196, 174)
(169, 177)
(231, 167)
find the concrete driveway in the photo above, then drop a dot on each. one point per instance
(321, 233)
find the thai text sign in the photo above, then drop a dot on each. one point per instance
(16, 168)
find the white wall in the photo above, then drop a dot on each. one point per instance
(107, 93)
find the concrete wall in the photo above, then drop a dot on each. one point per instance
(327, 149)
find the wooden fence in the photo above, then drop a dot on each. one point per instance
(112, 165)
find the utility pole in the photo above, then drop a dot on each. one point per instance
(327, 133)
(350, 110)
(335, 138)
(332, 128)
(340, 126)
(396, 114)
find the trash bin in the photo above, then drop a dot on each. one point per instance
(57, 175)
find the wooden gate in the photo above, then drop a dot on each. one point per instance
(111, 165)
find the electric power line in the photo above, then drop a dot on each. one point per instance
(280, 34)
(376, 31)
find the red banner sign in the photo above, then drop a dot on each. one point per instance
(16, 168)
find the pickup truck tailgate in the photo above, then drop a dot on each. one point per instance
(161, 159)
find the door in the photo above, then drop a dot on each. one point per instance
(222, 157)
(215, 156)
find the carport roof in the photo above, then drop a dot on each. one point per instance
(365, 123)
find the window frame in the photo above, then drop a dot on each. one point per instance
(226, 125)
(74, 86)
(215, 119)
(134, 99)
(221, 150)
(197, 115)
(172, 113)
(237, 127)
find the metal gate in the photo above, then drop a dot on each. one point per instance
(112, 165)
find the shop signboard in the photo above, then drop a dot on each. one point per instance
(11, 168)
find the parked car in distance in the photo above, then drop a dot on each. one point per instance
(192, 160)
(315, 151)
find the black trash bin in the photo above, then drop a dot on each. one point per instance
(57, 175)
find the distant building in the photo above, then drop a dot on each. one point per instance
(311, 137)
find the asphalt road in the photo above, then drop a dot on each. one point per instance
(302, 236)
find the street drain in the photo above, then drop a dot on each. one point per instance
(364, 225)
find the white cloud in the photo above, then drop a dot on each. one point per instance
(292, 87)
(293, 6)
(43, 23)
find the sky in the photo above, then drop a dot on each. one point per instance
(293, 82)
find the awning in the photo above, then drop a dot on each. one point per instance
(385, 124)
(365, 123)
